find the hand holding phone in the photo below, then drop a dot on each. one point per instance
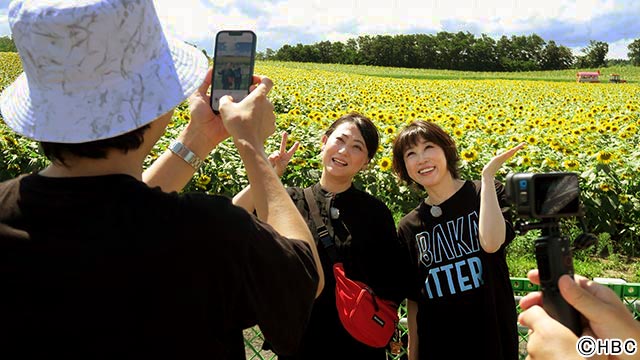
(234, 59)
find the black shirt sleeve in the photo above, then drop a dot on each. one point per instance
(281, 283)
(271, 280)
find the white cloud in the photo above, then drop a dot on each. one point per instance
(311, 16)
(384, 16)
(198, 22)
(5, 30)
(619, 49)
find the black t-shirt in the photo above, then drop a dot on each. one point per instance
(106, 267)
(466, 307)
(368, 246)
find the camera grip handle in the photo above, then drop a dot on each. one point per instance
(554, 259)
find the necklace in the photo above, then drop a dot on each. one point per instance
(334, 212)
(435, 210)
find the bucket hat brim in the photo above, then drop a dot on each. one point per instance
(111, 109)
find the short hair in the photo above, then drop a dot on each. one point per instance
(368, 130)
(56, 152)
(427, 131)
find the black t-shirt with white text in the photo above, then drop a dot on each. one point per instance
(466, 307)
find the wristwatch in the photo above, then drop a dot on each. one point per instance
(185, 154)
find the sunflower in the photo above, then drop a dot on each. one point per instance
(524, 160)
(552, 164)
(203, 180)
(384, 163)
(604, 187)
(390, 130)
(604, 157)
(571, 164)
(469, 155)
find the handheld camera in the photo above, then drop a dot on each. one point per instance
(549, 197)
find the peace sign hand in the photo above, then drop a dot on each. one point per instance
(280, 159)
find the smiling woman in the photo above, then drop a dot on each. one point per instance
(361, 234)
(457, 236)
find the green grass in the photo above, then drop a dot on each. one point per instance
(592, 262)
(629, 73)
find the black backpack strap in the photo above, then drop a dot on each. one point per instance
(326, 238)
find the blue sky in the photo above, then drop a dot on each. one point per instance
(279, 22)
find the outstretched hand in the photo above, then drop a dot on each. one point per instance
(280, 159)
(492, 167)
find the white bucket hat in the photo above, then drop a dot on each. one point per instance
(94, 69)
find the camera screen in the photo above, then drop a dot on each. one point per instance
(556, 195)
(233, 68)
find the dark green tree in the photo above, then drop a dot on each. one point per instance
(351, 54)
(483, 55)
(595, 53)
(634, 52)
(425, 51)
(7, 45)
(556, 57)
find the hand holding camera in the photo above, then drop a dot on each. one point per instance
(549, 197)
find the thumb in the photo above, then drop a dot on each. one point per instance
(225, 100)
(263, 88)
(587, 304)
(532, 317)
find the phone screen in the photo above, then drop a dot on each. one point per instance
(234, 58)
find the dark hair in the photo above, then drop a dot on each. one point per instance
(56, 152)
(367, 129)
(428, 131)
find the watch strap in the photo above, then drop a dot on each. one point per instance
(186, 154)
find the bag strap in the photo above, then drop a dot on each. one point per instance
(321, 229)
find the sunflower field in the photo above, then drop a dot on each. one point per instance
(590, 129)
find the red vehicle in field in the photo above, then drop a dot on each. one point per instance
(588, 76)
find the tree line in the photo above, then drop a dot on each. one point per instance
(444, 50)
(453, 51)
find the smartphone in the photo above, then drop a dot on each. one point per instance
(234, 57)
